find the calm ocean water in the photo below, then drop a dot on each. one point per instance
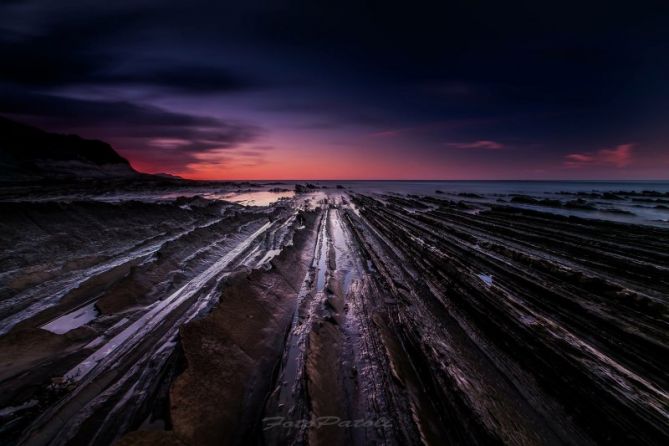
(503, 187)
(641, 210)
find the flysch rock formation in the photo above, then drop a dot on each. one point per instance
(332, 317)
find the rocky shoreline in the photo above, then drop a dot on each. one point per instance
(392, 319)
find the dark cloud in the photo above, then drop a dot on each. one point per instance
(97, 45)
(161, 134)
(40, 64)
(575, 74)
(94, 113)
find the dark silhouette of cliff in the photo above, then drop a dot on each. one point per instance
(28, 153)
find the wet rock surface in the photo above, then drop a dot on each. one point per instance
(332, 317)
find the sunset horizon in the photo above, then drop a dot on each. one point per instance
(248, 91)
(334, 223)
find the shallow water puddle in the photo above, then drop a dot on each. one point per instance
(487, 279)
(343, 252)
(256, 198)
(322, 256)
(72, 320)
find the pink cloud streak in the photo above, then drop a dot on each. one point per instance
(619, 157)
(480, 144)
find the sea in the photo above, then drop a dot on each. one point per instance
(639, 202)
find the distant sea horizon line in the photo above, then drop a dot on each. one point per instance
(438, 180)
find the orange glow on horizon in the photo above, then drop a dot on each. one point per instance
(296, 160)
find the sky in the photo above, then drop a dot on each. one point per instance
(349, 90)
